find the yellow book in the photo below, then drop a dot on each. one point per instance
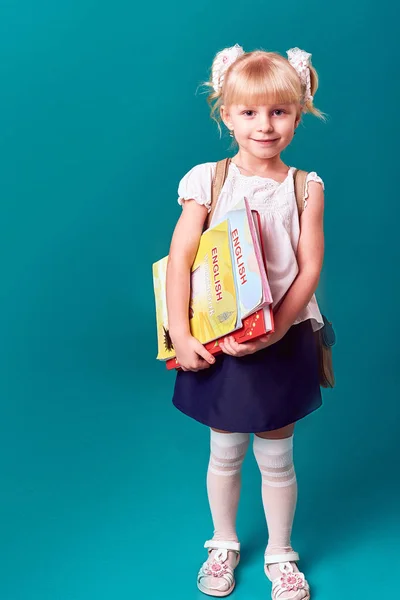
(213, 310)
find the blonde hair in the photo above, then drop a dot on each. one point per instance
(261, 77)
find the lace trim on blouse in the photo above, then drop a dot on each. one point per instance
(198, 199)
(312, 177)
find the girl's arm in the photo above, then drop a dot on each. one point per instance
(310, 256)
(190, 353)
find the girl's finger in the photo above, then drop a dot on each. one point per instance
(239, 349)
(224, 350)
(235, 345)
(226, 347)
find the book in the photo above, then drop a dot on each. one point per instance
(213, 306)
(251, 273)
(230, 294)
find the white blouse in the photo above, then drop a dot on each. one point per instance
(276, 204)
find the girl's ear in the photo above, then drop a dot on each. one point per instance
(298, 118)
(225, 116)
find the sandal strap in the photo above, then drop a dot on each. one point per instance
(228, 575)
(217, 545)
(270, 559)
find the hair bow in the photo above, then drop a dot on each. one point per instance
(300, 60)
(222, 62)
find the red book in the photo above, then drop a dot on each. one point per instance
(253, 327)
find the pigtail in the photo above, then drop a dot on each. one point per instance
(214, 101)
(309, 103)
(220, 68)
(300, 60)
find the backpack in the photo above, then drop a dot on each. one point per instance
(325, 337)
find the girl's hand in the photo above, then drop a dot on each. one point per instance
(229, 346)
(191, 354)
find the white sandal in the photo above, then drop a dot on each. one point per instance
(289, 580)
(219, 567)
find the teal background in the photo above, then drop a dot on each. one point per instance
(103, 481)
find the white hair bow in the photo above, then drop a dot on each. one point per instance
(300, 60)
(222, 62)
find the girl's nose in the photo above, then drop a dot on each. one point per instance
(266, 125)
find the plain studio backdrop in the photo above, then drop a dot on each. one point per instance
(103, 481)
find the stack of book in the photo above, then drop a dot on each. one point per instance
(230, 293)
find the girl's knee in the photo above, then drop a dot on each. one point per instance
(219, 430)
(228, 450)
(277, 434)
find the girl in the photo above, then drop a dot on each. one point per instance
(261, 387)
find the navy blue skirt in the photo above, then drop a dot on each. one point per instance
(259, 392)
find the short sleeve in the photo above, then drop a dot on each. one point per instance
(312, 177)
(196, 185)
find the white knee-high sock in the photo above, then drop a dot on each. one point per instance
(279, 489)
(224, 480)
(223, 486)
(279, 494)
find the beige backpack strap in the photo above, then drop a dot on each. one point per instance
(300, 188)
(221, 172)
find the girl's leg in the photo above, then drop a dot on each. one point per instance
(223, 486)
(224, 480)
(274, 454)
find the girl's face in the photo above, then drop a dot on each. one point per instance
(263, 131)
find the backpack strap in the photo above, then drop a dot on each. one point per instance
(221, 172)
(300, 188)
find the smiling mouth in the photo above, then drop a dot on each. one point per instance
(274, 140)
